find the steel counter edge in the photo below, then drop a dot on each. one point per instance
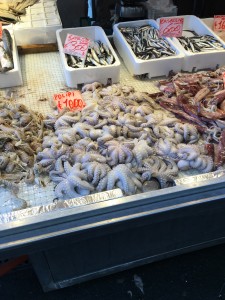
(78, 244)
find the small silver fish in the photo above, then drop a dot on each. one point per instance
(7, 41)
(94, 55)
(103, 61)
(199, 43)
(106, 48)
(109, 59)
(6, 62)
(98, 55)
(146, 43)
(95, 63)
(96, 47)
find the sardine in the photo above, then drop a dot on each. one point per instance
(103, 61)
(5, 61)
(94, 55)
(146, 43)
(95, 63)
(109, 59)
(106, 48)
(97, 48)
(98, 54)
(200, 43)
(7, 41)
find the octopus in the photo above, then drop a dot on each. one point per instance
(122, 138)
(126, 139)
(122, 177)
(91, 86)
(118, 152)
(141, 151)
(72, 182)
(96, 171)
(166, 147)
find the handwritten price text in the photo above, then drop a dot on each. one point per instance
(76, 45)
(171, 27)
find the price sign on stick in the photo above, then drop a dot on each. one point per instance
(76, 45)
(0, 30)
(72, 100)
(219, 23)
(171, 27)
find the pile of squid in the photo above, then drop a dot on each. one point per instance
(199, 99)
(122, 138)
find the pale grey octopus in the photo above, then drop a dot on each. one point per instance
(121, 176)
(157, 171)
(118, 152)
(72, 182)
(122, 139)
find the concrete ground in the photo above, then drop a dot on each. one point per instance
(196, 276)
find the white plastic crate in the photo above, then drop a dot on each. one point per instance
(89, 74)
(39, 25)
(209, 22)
(14, 76)
(202, 60)
(152, 67)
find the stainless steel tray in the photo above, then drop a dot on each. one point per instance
(42, 75)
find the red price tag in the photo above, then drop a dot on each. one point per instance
(76, 45)
(0, 30)
(171, 27)
(219, 23)
(73, 100)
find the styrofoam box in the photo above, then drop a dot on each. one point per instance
(152, 67)
(14, 76)
(39, 24)
(202, 60)
(209, 22)
(89, 74)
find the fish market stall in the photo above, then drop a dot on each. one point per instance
(159, 179)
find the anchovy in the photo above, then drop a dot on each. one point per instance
(200, 43)
(103, 61)
(109, 59)
(6, 62)
(146, 43)
(6, 54)
(106, 48)
(97, 48)
(7, 41)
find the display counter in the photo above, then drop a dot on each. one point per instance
(71, 244)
